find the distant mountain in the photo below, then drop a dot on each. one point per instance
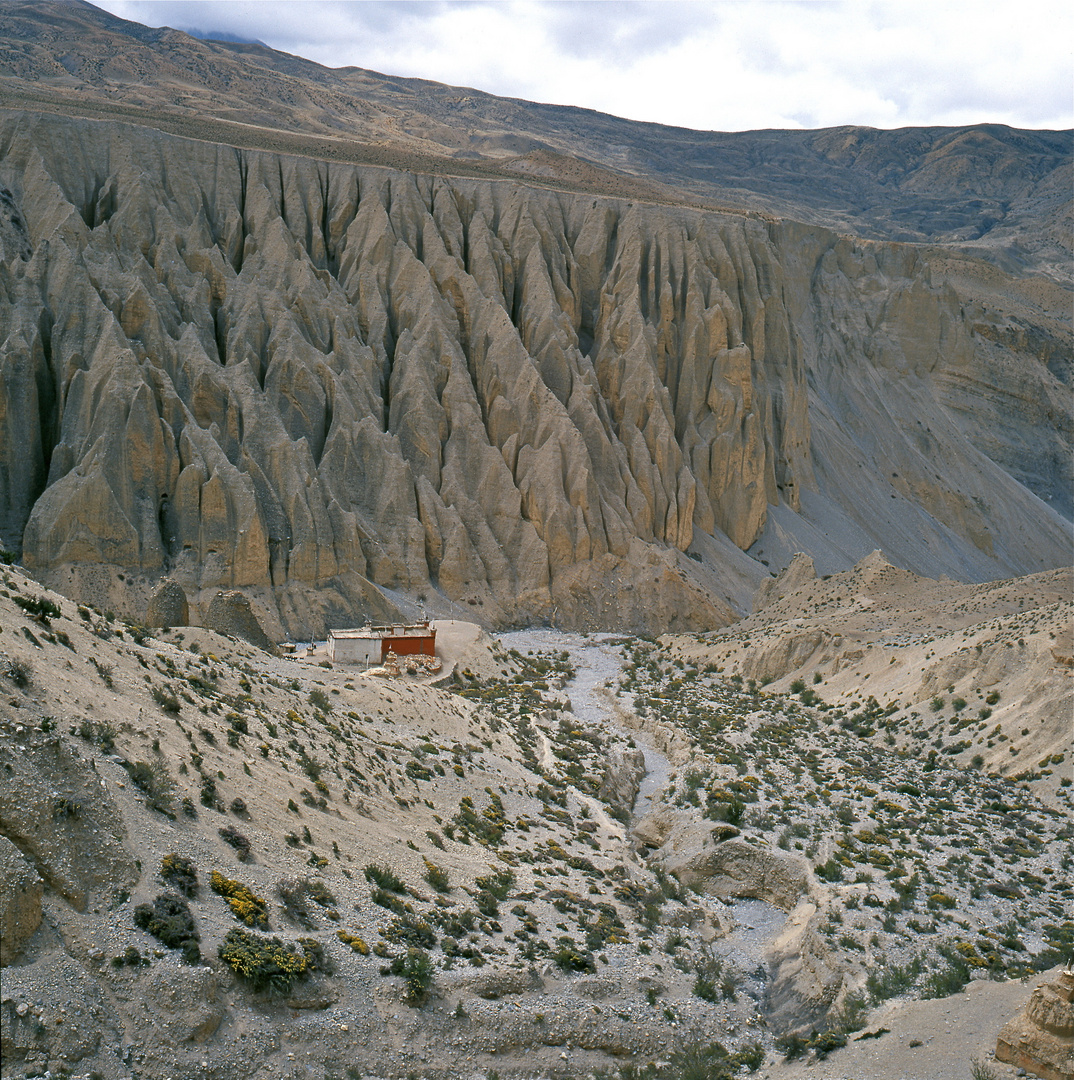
(986, 185)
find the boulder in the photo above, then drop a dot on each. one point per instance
(623, 774)
(733, 868)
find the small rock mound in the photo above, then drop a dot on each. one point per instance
(230, 613)
(800, 571)
(168, 605)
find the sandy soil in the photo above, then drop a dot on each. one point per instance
(927, 1040)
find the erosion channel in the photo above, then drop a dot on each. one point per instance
(747, 926)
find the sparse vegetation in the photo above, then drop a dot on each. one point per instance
(385, 878)
(19, 672)
(233, 838)
(894, 825)
(416, 968)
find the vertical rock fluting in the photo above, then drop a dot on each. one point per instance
(254, 371)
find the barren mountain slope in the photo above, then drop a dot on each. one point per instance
(302, 378)
(793, 872)
(983, 673)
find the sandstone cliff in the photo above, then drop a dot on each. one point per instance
(316, 381)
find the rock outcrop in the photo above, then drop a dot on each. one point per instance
(321, 381)
(623, 774)
(168, 605)
(20, 901)
(230, 613)
(799, 572)
(734, 868)
(1040, 1039)
(64, 824)
(805, 977)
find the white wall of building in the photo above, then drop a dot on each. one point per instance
(365, 651)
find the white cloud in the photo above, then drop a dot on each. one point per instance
(726, 65)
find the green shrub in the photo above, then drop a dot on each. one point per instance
(179, 871)
(385, 878)
(487, 904)
(888, 982)
(388, 900)
(569, 957)
(20, 672)
(948, 981)
(437, 877)
(851, 1014)
(169, 920)
(321, 893)
(320, 700)
(751, 1056)
(168, 702)
(39, 607)
(822, 1044)
(156, 782)
(701, 1061)
(293, 893)
(416, 968)
(231, 836)
(827, 1041)
(709, 968)
(410, 930)
(266, 964)
(791, 1046)
(832, 870)
(980, 1070)
(498, 883)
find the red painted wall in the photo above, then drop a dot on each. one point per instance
(404, 646)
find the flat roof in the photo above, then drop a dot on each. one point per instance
(378, 632)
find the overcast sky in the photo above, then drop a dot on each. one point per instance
(727, 65)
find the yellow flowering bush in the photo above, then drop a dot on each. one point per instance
(246, 906)
(355, 942)
(263, 962)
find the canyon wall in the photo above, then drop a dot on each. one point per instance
(323, 382)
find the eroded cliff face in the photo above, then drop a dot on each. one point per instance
(313, 381)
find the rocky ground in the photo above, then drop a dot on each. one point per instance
(460, 881)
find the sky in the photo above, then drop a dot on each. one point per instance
(718, 65)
